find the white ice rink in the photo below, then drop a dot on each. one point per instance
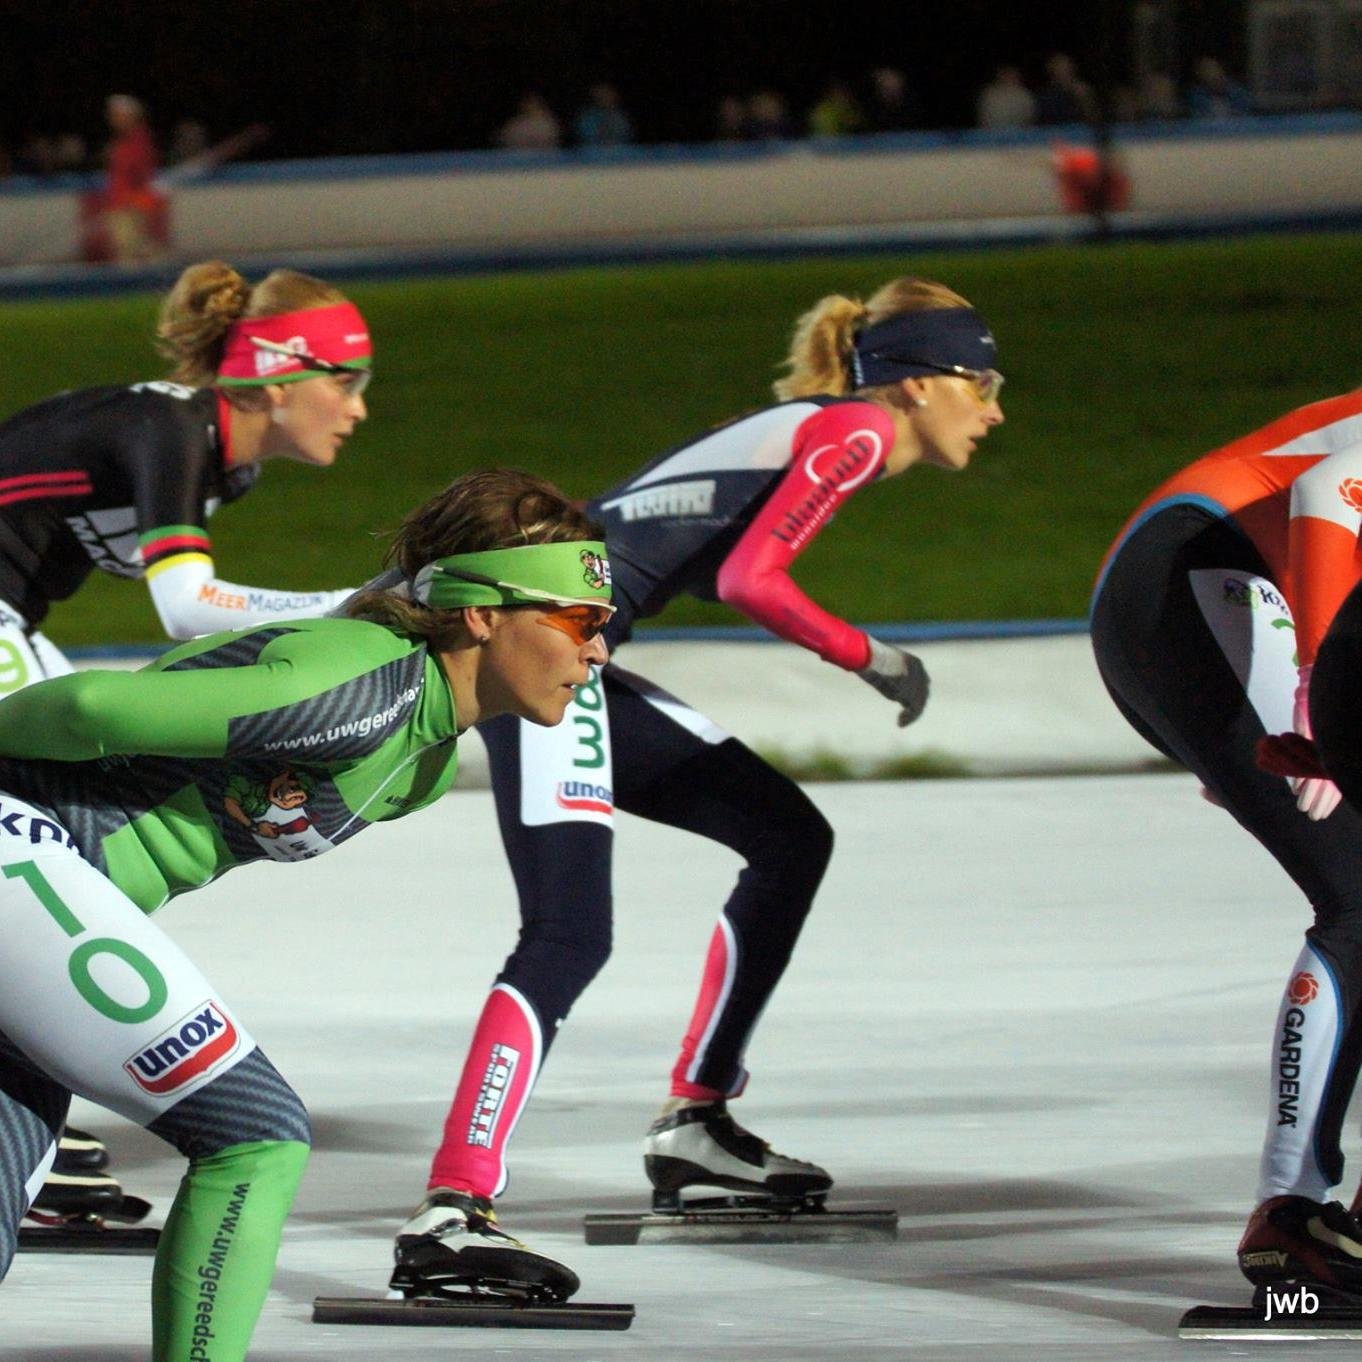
(1033, 1015)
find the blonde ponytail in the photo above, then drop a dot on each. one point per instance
(208, 297)
(825, 336)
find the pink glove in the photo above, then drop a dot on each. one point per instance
(1315, 797)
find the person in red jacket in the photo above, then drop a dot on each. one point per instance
(1207, 620)
(875, 388)
(134, 209)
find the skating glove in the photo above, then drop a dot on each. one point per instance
(1316, 797)
(899, 677)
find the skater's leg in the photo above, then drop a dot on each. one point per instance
(552, 789)
(676, 767)
(246, 1136)
(32, 1109)
(1193, 637)
(97, 998)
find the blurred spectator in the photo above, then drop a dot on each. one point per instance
(1064, 98)
(1005, 102)
(37, 156)
(1157, 97)
(836, 114)
(1085, 184)
(603, 122)
(730, 120)
(533, 128)
(70, 155)
(768, 117)
(1214, 95)
(890, 107)
(134, 212)
(188, 140)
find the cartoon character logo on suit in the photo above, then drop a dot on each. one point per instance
(275, 814)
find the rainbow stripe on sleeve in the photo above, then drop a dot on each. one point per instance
(172, 545)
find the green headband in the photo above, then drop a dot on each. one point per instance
(572, 573)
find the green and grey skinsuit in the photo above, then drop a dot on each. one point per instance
(120, 790)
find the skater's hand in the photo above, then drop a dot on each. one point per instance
(1316, 795)
(899, 677)
(266, 830)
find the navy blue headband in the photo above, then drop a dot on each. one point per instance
(919, 344)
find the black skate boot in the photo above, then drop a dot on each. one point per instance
(772, 1199)
(1304, 1259)
(80, 1152)
(1292, 1241)
(704, 1146)
(452, 1248)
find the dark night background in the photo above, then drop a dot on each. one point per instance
(414, 75)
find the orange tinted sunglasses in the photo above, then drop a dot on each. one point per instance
(581, 623)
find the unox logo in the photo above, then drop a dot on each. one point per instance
(192, 1047)
(578, 794)
(1303, 989)
(1350, 489)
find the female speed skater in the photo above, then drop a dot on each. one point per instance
(116, 791)
(1207, 620)
(124, 479)
(874, 388)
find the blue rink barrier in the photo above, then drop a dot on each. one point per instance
(929, 631)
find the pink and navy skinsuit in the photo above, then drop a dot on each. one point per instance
(722, 517)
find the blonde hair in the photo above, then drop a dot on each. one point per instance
(208, 297)
(496, 508)
(825, 336)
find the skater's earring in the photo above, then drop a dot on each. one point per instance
(919, 401)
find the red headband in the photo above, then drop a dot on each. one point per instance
(335, 335)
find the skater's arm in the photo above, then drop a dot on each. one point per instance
(215, 711)
(175, 468)
(836, 451)
(191, 599)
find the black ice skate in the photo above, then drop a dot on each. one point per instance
(778, 1198)
(1304, 1259)
(705, 1146)
(455, 1265)
(454, 1246)
(80, 1152)
(83, 1210)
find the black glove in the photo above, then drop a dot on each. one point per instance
(899, 677)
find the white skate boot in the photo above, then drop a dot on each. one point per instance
(704, 1146)
(453, 1248)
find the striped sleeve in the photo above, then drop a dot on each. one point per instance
(170, 545)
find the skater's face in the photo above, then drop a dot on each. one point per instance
(947, 415)
(532, 665)
(315, 416)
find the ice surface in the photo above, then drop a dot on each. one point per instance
(1034, 1015)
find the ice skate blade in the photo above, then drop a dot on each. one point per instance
(479, 1312)
(749, 1221)
(83, 1236)
(1247, 1322)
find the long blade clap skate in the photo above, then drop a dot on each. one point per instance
(73, 1210)
(779, 1199)
(1304, 1259)
(452, 1248)
(705, 1146)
